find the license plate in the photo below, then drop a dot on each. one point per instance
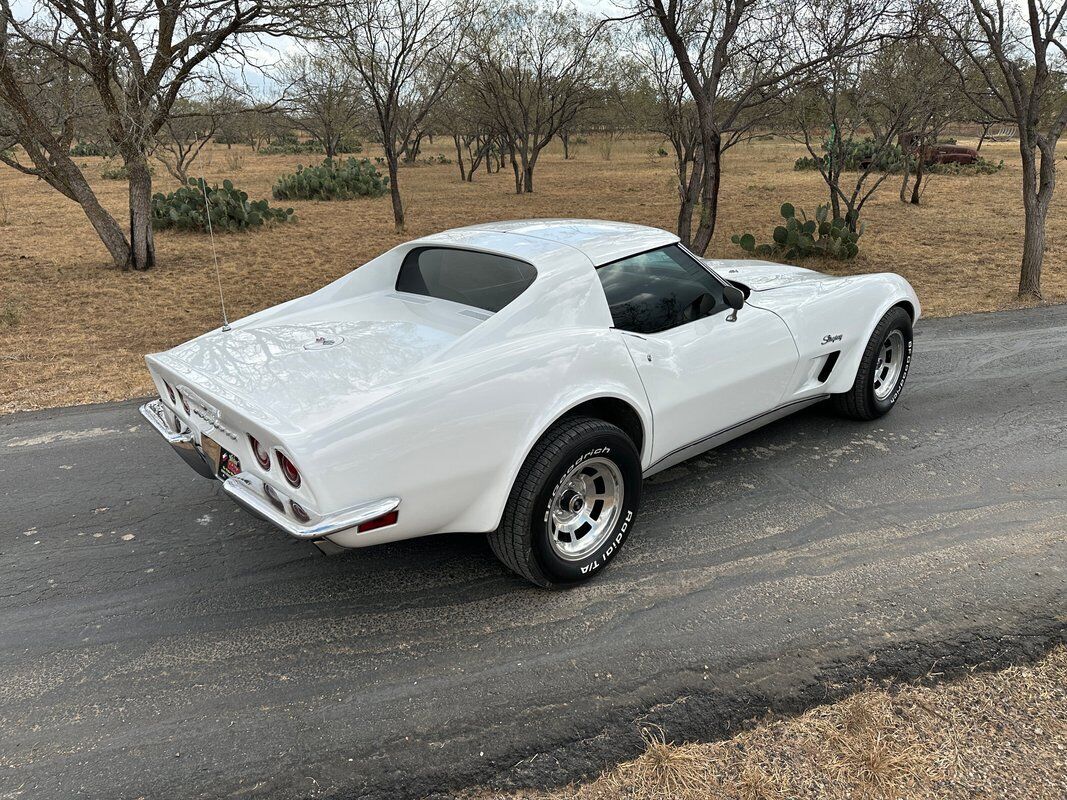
(229, 465)
(224, 463)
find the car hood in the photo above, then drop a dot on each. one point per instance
(761, 276)
(316, 366)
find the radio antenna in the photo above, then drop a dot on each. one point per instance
(214, 255)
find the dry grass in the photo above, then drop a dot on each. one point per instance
(84, 327)
(991, 735)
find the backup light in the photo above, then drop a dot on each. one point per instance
(384, 521)
(273, 497)
(299, 512)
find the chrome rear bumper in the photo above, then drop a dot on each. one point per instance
(183, 443)
(247, 490)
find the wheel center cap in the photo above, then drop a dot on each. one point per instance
(571, 501)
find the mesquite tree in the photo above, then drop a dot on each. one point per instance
(673, 116)
(845, 95)
(1010, 63)
(324, 95)
(737, 57)
(405, 53)
(137, 56)
(535, 67)
(188, 129)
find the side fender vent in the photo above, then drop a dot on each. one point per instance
(828, 366)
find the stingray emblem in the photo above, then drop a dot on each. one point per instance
(828, 338)
(323, 343)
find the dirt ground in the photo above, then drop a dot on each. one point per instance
(989, 736)
(74, 329)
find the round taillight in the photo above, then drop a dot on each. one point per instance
(299, 512)
(185, 403)
(260, 452)
(170, 392)
(289, 470)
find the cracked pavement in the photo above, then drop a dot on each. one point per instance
(157, 641)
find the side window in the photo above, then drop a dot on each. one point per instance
(658, 290)
(482, 280)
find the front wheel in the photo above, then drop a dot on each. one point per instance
(573, 504)
(882, 370)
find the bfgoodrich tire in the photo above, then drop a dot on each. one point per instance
(573, 504)
(883, 369)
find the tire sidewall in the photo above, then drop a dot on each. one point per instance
(904, 326)
(612, 445)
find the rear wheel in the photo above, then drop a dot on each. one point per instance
(882, 371)
(572, 505)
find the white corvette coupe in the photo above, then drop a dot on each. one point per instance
(519, 379)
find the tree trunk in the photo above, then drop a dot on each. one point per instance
(1037, 191)
(142, 244)
(528, 172)
(688, 195)
(709, 192)
(915, 190)
(566, 139)
(108, 229)
(394, 190)
(515, 168)
(459, 158)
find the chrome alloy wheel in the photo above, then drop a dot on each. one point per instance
(889, 365)
(584, 508)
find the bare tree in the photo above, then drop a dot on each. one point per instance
(846, 97)
(907, 80)
(736, 56)
(190, 126)
(464, 118)
(534, 68)
(324, 95)
(1018, 54)
(672, 115)
(137, 56)
(405, 52)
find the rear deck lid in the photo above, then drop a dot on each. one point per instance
(312, 366)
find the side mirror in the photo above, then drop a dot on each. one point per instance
(734, 298)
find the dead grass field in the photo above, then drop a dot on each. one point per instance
(990, 736)
(74, 330)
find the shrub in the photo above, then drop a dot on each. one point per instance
(231, 210)
(983, 166)
(10, 314)
(118, 172)
(84, 149)
(797, 238)
(291, 146)
(332, 180)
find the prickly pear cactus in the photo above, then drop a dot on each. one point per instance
(231, 210)
(800, 237)
(332, 180)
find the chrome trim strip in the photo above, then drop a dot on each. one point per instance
(247, 491)
(680, 454)
(182, 443)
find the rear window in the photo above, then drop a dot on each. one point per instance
(482, 280)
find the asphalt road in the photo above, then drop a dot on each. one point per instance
(156, 641)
